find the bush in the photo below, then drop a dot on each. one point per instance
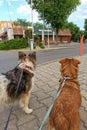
(14, 44)
(34, 45)
(41, 45)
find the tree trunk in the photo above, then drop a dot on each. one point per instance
(28, 40)
(57, 36)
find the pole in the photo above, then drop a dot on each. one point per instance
(81, 44)
(43, 36)
(32, 25)
(53, 36)
(48, 38)
(43, 26)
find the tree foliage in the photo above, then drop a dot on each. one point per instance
(28, 34)
(85, 27)
(75, 30)
(54, 12)
(22, 22)
(38, 26)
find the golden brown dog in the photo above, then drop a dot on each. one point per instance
(65, 112)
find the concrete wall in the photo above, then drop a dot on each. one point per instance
(10, 33)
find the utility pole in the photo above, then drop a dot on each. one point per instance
(32, 19)
(32, 40)
(43, 26)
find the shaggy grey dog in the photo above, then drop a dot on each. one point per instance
(9, 81)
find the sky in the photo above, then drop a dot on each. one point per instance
(11, 10)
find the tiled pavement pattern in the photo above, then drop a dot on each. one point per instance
(46, 84)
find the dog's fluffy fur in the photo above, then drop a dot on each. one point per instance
(65, 112)
(9, 81)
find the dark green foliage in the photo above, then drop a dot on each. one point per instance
(38, 26)
(13, 44)
(34, 46)
(23, 22)
(36, 39)
(28, 33)
(75, 30)
(85, 27)
(41, 45)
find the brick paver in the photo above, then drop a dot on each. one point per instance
(45, 88)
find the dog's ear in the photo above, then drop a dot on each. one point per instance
(75, 61)
(62, 61)
(32, 55)
(21, 55)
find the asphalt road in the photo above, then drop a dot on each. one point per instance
(50, 55)
(9, 59)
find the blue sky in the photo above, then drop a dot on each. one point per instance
(13, 9)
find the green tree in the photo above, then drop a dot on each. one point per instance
(75, 30)
(36, 40)
(23, 22)
(38, 26)
(16, 23)
(28, 34)
(54, 12)
(85, 27)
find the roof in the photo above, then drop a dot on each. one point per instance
(19, 30)
(65, 32)
(4, 34)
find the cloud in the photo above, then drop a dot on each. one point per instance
(12, 0)
(11, 13)
(26, 11)
(9, 2)
(83, 1)
(78, 17)
(1, 2)
(80, 13)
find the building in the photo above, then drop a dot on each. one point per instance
(9, 31)
(19, 32)
(64, 36)
(6, 24)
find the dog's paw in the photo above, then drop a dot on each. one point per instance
(28, 111)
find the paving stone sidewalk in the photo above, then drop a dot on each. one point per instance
(46, 84)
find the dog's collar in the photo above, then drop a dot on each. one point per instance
(68, 77)
(63, 80)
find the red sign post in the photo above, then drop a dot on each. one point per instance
(81, 44)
